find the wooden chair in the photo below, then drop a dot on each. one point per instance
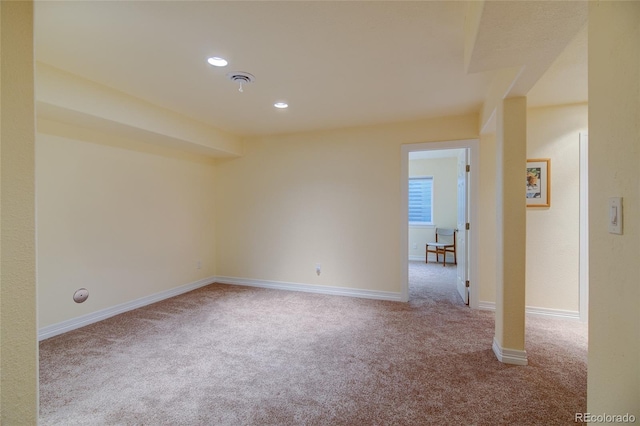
(443, 247)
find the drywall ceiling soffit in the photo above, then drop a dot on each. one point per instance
(73, 100)
(526, 34)
(83, 120)
(566, 80)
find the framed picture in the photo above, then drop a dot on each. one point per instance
(539, 182)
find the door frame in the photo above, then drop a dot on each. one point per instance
(473, 190)
(462, 175)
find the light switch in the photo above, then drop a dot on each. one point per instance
(615, 215)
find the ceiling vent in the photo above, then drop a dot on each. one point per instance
(241, 78)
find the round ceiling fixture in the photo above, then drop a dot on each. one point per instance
(217, 61)
(241, 78)
(281, 105)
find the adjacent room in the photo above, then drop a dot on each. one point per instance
(227, 209)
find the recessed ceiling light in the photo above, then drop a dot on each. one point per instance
(281, 105)
(217, 61)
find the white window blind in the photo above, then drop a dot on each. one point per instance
(421, 200)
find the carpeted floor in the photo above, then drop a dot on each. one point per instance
(230, 355)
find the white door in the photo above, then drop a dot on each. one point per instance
(461, 237)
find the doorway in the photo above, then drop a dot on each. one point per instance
(463, 156)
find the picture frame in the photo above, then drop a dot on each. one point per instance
(538, 184)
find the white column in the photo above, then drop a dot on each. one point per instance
(511, 143)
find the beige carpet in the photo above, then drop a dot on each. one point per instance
(230, 355)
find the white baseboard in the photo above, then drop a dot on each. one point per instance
(558, 313)
(432, 258)
(309, 288)
(509, 356)
(486, 306)
(532, 310)
(75, 323)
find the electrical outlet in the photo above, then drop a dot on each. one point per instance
(199, 264)
(318, 268)
(415, 246)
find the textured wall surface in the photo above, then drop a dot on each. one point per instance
(614, 155)
(18, 337)
(553, 234)
(487, 217)
(123, 219)
(330, 197)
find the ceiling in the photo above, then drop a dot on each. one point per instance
(337, 64)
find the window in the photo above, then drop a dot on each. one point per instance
(421, 200)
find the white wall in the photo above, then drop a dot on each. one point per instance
(445, 201)
(330, 197)
(127, 219)
(293, 201)
(552, 270)
(121, 218)
(487, 228)
(613, 383)
(18, 316)
(552, 233)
